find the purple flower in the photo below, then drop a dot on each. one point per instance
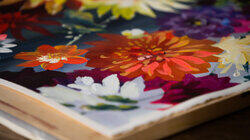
(31, 79)
(190, 86)
(201, 23)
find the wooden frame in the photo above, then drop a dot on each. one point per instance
(63, 127)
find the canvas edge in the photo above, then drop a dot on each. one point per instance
(129, 127)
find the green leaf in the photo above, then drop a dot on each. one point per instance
(80, 15)
(82, 29)
(246, 66)
(247, 77)
(102, 106)
(68, 105)
(115, 98)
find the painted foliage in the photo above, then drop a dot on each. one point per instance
(133, 58)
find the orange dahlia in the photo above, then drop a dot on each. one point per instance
(158, 54)
(51, 58)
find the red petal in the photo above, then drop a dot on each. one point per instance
(38, 29)
(192, 59)
(75, 60)
(3, 37)
(81, 51)
(132, 69)
(46, 49)
(182, 65)
(17, 33)
(150, 68)
(111, 36)
(3, 28)
(166, 69)
(52, 66)
(30, 64)
(204, 53)
(27, 55)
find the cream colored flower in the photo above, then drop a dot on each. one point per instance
(236, 52)
(128, 8)
(133, 34)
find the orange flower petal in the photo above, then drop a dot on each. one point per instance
(75, 60)
(182, 65)
(44, 49)
(52, 66)
(166, 70)
(81, 52)
(192, 59)
(132, 69)
(204, 53)
(65, 48)
(150, 68)
(30, 64)
(27, 55)
(181, 43)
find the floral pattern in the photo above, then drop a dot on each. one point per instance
(6, 44)
(158, 54)
(50, 58)
(51, 6)
(190, 86)
(237, 52)
(201, 23)
(18, 21)
(127, 8)
(113, 63)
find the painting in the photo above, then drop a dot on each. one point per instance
(119, 64)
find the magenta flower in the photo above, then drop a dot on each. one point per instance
(190, 86)
(243, 26)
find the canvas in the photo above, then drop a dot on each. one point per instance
(118, 64)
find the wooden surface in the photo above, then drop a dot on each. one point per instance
(235, 126)
(41, 116)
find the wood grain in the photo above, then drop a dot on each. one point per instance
(235, 126)
(63, 127)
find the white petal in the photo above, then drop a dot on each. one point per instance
(60, 94)
(137, 32)
(160, 6)
(97, 89)
(5, 50)
(84, 89)
(111, 83)
(87, 80)
(9, 45)
(133, 89)
(63, 94)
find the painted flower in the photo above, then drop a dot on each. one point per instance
(18, 21)
(133, 34)
(111, 86)
(237, 52)
(158, 54)
(127, 8)
(51, 6)
(106, 83)
(201, 23)
(243, 26)
(190, 86)
(6, 44)
(50, 58)
(31, 79)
